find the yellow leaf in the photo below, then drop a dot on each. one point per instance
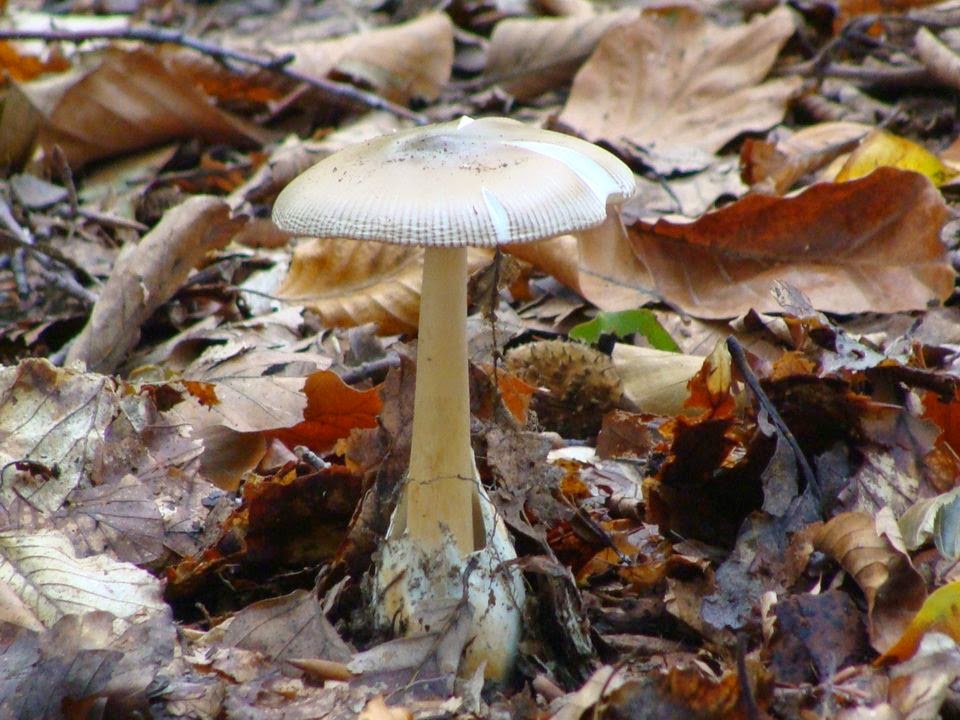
(883, 149)
(939, 613)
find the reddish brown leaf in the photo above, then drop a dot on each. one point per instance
(333, 410)
(867, 245)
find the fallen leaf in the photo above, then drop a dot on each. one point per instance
(655, 381)
(333, 410)
(869, 245)
(940, 612)
(778, 166)
(127, 101)
(352, 282)
(146, 275)
(815, 634)
(884, 149)
(84, 661)
(673, 81)
(893, 589)
(44, 581)
(409, 60)
(287, 627)
(528, 56)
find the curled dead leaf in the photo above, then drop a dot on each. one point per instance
(893, 589)
(146, 275)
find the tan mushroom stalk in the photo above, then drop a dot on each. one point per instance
(486, 182)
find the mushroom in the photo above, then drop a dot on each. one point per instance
(485, 182)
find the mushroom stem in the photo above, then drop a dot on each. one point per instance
(442, 483)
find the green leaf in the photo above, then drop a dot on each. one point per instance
(622, 324)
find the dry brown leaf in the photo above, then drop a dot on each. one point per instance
(528, 56)
(778, 166)
(83, 661)
(655, 381)
(285, 627)
(894, 590)
(412, 59)
(554, 256)
(44, 581)
(866, 245)
(129, 101)
(352, 282)
(377, 709)
(673, 82)
(146, 275)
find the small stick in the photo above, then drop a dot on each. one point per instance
(740, 361)
(18, 257)
(340, 92)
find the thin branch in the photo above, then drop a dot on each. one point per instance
(806, 472)
(18, 257)
(338, 92)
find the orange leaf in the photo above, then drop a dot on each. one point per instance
(939, 613)
(333, 410)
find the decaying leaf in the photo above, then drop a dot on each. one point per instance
(85, 660)
(44, 581)
(287, 627)
(869, 245)
(884, 149)
(127, 101)
(146, 275)
(675, 81)
(530, 56)
(352, 282)
(409, 60)
(893, 589)
(940, 613)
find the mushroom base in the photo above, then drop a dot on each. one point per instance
(422, 591)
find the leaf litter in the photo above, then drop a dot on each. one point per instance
(204, 424)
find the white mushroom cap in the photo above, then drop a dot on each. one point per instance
(468, 182)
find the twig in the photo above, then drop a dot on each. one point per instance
(66, 174)
(338, 92)
(750, 709)
(18, 257)
(740, 361)
(370, 369)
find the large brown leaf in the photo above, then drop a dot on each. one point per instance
(128, 101)
(413, 59)
(675, 81)
(867, 245)
(352, 282)
(529, 56)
